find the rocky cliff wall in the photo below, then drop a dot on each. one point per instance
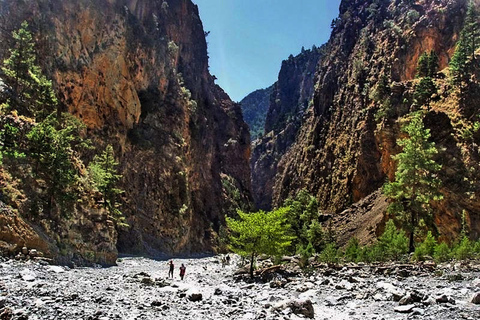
(289, 99)
(136, 73)
(343, 151)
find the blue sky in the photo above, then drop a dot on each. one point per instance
(250, 38)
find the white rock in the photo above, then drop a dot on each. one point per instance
(28, 275)
(476, 283)
(404, 309)
(56, 269)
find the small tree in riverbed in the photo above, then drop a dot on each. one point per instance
(260, 233)
(416, 183)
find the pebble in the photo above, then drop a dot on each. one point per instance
(212, 292)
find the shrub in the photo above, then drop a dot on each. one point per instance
(426, 248)
(329, 254)
(352, 251)
(392, 243)
(464, 249)
(305, 253)
(442, 252)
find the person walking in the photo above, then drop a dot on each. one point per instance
(171, 267)
(182, 271)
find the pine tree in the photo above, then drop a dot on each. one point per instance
(104, 173)
(432, 64)
(416, 183)
(26, 89)
(424, 91)
(54, 145)
(423, 66)
(463, 61)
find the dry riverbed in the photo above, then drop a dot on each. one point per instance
(138, 288)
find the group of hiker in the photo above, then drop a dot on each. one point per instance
(172, 267)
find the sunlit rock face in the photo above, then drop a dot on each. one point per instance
(136, 73)
(342, 152)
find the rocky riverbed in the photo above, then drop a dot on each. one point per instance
(138, 288)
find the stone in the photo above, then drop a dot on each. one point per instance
(25, 250)
(476, 283)
(444, 299)
(194, 295)
(404, 309)
(56, 269)
(302, 307)
(218, 291)
(476, 298)
(28, 275)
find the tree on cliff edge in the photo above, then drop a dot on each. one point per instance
(26, 89)
(416, 183)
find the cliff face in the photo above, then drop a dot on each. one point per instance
(289, 99)
(254, 109)
(136, 73)
(343, 153)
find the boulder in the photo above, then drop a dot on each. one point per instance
(304, 308)
(476, 298)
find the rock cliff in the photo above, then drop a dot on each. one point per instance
(136, 73)
(343, 151)
(254, 109)
(289, 99)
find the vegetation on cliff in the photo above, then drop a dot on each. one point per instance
(41, 147)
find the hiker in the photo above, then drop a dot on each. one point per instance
(172, 266)
(228, 259)
(182, 271)
(223, 262)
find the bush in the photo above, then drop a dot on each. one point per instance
(441, 252)
(329, 254)
(476, 247)
(305, 253)
(392, 243)
(352, 251)
(463, 250)
(426, 248)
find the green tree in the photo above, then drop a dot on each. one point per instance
(463, 60)
(104, 173)
(424, 91)
(416, 183)
(26, 89)
(427, 64)
(260, 233)
(422, 66)
(432, 64)
(303, 218)
(392, 243)
(54, 146)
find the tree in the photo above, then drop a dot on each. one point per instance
(260, 233)
(424, 91)
(26, 89)
(463, 60)
(427, 64)
(54, 145)
(104, 173)
(422, 66)
(303, 218)
(416, 183)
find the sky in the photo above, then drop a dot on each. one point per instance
(249, 39)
